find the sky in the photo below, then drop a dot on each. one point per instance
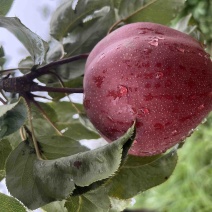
(32, 16)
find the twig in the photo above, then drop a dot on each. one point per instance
(46, 116)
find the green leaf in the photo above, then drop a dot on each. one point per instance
(84, 37)
(2, 57)
(157, 11)
(25, 65)
(82, 169)
(118, 205)
(67, 17)
(32, 42)
(5, 150)
(72, 127)
(131, 180)
(1, 52)
(127, 8)
(54, 147)
(10, 204)
(20, 176)
(57, 206)
(5, 6)
(12, 117)
(49, 180)
(2, 175)
(95, 201)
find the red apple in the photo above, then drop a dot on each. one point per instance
(147, 72)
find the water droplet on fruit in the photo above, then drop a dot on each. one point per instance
(180, 49)
(201, 107)
(145, 110)
(147, 51)
(159, 75)
(190, 132)
(98, 80)
(203, 121)
(175, 132)
(123, 90)
(102, 56)
(153, 42)
(134, 142)
(160, 37)
(158, 126)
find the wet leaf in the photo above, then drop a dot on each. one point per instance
(32, 42)
(10, 204)
(68, 16)
(25, 65)
(154, 12)
(95, 201)
(5, 6)
(54, 146)
(131, 180)
(45, 181)
(57, 206)
(5, 150)
(2, 175)
(12, 117)
(20, 176)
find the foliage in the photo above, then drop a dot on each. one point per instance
(41, 155)
(191, 184)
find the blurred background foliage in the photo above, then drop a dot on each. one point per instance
(189, 189)
(201, 11)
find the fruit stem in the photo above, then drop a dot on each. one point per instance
(125, 19)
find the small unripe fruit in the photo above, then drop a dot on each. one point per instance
(153, 74)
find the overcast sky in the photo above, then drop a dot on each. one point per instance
(35, 14)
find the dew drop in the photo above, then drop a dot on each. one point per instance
(102, 56)
(175, 132)
(42, 164)
(153, 42)
(160, 37)
(203, 121)
(145, 111)
(190, 132)
(201, 107)
(147, 51)
(159, 75)
(123, 90)
(180, 49)
(134, 142)
(158, 126)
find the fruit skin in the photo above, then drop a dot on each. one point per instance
(153, 74)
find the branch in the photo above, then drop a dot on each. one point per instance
(36, 87)
(63, 61)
